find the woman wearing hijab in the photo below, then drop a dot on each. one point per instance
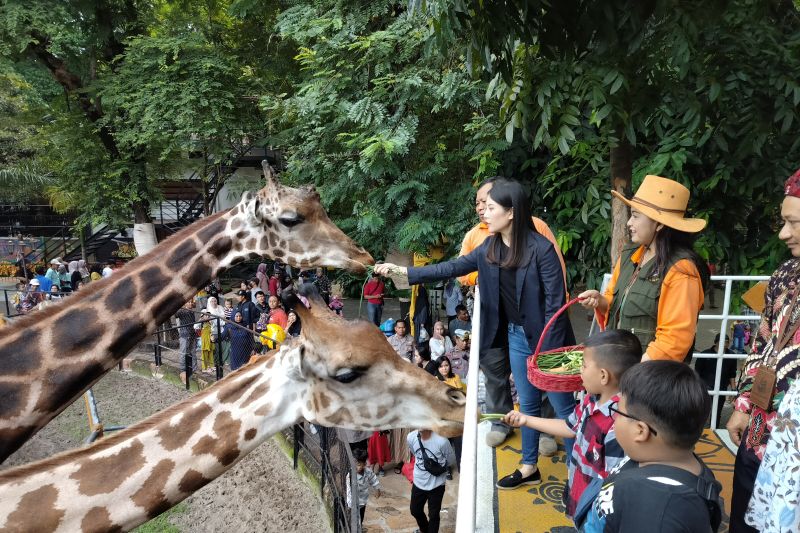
(75, 277)
(241, 339)
(263, 279)
(65, 281)
(657, 287)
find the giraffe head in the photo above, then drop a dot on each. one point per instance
(291, 225)
(349, 362)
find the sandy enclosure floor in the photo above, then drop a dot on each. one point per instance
(261, 493)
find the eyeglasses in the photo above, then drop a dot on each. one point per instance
(613, 409)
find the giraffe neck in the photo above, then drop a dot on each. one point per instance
(129, 478)
(50, 358)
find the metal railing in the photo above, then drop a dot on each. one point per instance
(724, 318)
(183, 345)
(467, 487)
(327, 457)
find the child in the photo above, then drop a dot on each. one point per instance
(336, 305)
(606, 358)
(662, 486)
(365, 478)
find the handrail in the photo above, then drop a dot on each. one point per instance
(721, 354)
(465, 520)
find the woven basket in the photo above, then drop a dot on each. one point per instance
(553, 382)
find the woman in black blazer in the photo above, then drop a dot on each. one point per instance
(522, 287)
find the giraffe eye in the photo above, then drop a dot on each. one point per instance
(348, 375)
(291, 220)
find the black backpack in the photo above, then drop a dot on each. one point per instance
(430, 464)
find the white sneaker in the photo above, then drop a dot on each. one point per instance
(496, 437)
(547, 445)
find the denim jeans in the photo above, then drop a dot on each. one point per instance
(374, 313)
(530, 398)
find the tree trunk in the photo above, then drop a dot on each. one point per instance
(144, 231)
(621, 174)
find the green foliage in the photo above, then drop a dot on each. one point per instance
(393, 136)
(704, 94)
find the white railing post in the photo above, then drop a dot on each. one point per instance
(467, 483)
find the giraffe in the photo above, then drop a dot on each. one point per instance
(49, 358)
(354, 380)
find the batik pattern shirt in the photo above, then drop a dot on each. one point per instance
(775, 504)
(787, 361)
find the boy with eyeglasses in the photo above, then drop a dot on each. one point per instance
(662, 486)
(607, 356)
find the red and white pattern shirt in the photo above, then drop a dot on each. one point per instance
(596, 450)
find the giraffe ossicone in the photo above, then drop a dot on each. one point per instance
(328, 377)
(49, 358)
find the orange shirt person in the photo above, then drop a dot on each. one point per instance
(478, 234)
(657, 287)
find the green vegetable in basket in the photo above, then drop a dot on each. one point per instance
(561, 363)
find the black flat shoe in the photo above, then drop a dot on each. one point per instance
(512, 481)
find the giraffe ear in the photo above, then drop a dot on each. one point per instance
(269, 174)
(252, 209)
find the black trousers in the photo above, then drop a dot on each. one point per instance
(744, 478)
(362, 509)
(496, 368)
(430, 523)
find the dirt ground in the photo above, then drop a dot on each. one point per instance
(261, 493)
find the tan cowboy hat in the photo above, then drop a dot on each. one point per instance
(665, 201)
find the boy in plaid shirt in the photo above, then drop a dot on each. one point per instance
(606, 357)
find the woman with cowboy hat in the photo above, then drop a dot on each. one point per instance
(657, 287)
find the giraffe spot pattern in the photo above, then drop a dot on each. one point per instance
(214, 229)
(258, 393)
(224, 447)
(199, 274)
(13, 397)
(232, 394)
(151, 282)
(250, 434)
(20, 356)
(173, 437)
(36, 511)
(152, 496)
(98, 519)
(324, 400)
(105, 474)
(121, 295)
(127, 334)
(191, 481)
(77, 330)
(220, 247)
(164, 308)
(181, 255)
(66, 383)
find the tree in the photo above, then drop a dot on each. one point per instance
(393, 136)
(698, 92)
(143, 84)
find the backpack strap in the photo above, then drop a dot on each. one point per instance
(704, 485)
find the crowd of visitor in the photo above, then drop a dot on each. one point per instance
(631, 433)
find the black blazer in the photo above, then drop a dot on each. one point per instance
(540, 290)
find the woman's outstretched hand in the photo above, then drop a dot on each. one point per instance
(590, 299)
(385, 269)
